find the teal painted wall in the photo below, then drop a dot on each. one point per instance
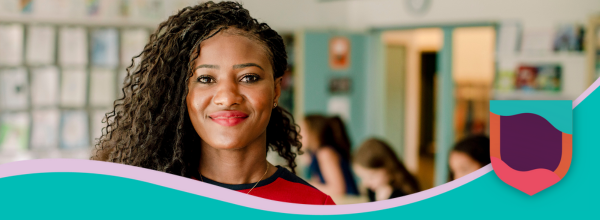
(317, 74)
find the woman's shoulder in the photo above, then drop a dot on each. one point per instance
(327, 152)
(291, 188)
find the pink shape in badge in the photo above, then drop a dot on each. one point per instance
(530, 182)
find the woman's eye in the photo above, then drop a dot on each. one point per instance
(205, 79)
(250, 78)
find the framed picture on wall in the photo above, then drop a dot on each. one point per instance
(339, 53)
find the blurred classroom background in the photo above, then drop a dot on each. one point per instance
(416, 74)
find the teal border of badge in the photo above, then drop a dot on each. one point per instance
(94, 196)
(557, 112)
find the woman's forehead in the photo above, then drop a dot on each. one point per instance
(225, 47)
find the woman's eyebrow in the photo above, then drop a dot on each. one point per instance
(238, 66)
(207, 66)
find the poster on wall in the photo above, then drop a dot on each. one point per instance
(505, 81)
(11, 44)
(339, 105)
(44, 134)
(539, 77)
(569, 37)
(340, 85)
(508, 38)
(74, 130)
(537, 40)
(102, 84)
(14, 89)
(40, 45)
(105, 47)
(339, 53)
(72, 46)
(14, 132)
(73, 87)
(44, 86)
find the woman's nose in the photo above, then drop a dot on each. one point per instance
(228, 94)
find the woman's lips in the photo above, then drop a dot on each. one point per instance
(228, 118)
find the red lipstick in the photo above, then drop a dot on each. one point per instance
(228, 118)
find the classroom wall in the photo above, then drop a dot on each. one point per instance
(532, 13)
(317, 75)
(287, 15)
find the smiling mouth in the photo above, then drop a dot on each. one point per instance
(228, 118)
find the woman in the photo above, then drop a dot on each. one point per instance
(202, 103)
(329, 149)
(382, 172)
(469, 155)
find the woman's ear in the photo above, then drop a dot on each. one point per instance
(277, 89)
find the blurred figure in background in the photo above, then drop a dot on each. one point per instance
(384, 175)
(326, 141)
(469, 155)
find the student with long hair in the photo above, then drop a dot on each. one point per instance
(384, 175)
(328, 146)
(202, 103)
(468, 155)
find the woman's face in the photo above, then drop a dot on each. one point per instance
(306, 137)
(462, 164)
(232, 92)
(372, 178)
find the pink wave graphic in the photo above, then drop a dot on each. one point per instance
(219, 193)
(587, 92)
(530, 182)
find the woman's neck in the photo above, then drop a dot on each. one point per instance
(235, 166)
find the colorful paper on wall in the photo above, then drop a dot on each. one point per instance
(14, 132)
(569, 37)
(11, 44)
(40, 45)
(44, 86)
(537, 40)
(44, 134)
(72, 46)
(102, 87)
(505, 82)
(339, 105)
(540, 77)
(73, 87)
(508, 38)
(105, 44)
(14, 89)
(549, 77)
(74, 130)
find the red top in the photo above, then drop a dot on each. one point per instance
(282, 186)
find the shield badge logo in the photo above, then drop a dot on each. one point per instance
(531, 142)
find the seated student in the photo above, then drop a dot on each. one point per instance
(382, 172)
(469, 155)
(326, 141)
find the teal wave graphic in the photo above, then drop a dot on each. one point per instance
(555, 111)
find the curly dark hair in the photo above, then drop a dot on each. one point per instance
(150, 127)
